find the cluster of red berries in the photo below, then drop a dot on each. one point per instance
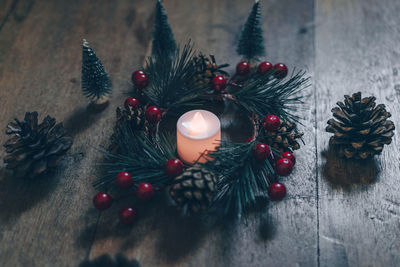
(283, 166)
(144, 191)
(140, 81)
(243, 68)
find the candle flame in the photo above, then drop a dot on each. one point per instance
(197, 125)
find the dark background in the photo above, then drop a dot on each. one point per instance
(335, 214)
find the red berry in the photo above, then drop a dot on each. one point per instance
(144, 191)
(102, 201)
(131, 102)
(219, 83)
(174, 167)
(136, 72)
(284, 167)
(290, 156)
(276, 191)
(140, 79)
(280, 70)
(264, 67)
(124, 180)
(243, 68)
(261, 152)
(271, 123)
(127, 215)
(153, 114)
(249, 139)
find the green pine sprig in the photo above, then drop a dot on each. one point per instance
(265, 95)
(171, 81)
(144, 158)
(241, 177)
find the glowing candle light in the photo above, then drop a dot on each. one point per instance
(198, 131)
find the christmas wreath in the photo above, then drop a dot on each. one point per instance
(142, 157)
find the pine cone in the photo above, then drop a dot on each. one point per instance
(284, 139)
(361, 128)
(35, 148)
(134, 118)
(194, 189)
(207, 68)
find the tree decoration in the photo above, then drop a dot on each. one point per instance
(360, 127)
(229, 179)
(35, 148)
(194, 190)
(96, 85)
(251, 41)
(242, 170)
(164, 44)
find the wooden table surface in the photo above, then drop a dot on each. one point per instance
(345, 45)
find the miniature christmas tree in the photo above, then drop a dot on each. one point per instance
(163, 38)
(96, 85)
(251, 42)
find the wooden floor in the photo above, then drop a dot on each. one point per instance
(345, 45)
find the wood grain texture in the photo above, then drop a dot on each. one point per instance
(51, 222)
(357, 50)
(345, 45)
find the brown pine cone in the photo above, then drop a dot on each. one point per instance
(134, 119)
(361, 128)
(207, 68)
(284, 139)
(194, 189)
(35, 148)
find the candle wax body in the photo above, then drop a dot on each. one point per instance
(197, 131)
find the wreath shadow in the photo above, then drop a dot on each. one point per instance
(345, 173)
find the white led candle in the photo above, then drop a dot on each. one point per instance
(198, 131)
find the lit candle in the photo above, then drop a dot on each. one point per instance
(198, 131)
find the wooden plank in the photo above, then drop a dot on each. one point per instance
(286, 231)
(357, 50)
(50, 222)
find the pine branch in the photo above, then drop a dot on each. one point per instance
(164, 44)
(171, 81)
(95, 81)
(242, 178)
(251, 41)
(265, 95)
(138, 155)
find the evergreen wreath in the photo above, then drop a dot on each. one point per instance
(142, 157)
